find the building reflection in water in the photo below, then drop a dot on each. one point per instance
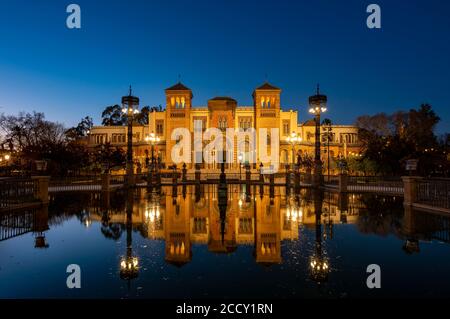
(261, 217)
(224, 218)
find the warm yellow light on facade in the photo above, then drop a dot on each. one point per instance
(294, 138)
(152, 138)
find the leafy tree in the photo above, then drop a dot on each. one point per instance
(33, 138)
(82, 129)
(109, 157)
(390, 140)
(142, 116)
(112, 116)
(31, 134)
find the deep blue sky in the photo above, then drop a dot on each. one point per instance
(225, 47)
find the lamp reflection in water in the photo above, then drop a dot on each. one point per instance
(152, 214)
(86, 218)
(318, 265)
(129, 264)
(293, 212)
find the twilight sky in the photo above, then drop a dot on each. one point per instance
(224, 47)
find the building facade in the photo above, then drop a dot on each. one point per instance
(223, 113)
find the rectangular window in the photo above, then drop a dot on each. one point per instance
(245, 122)
(223, 123)
(118, 138)
(203, 120)
(286, 127)
(100, 139)
(159, 127)
(136, 137)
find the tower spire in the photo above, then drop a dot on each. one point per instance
(318, 89)
(130, 91)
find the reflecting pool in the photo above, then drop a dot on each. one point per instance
(197, 242)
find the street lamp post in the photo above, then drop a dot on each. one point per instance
(130, 108)
(153, 139)
(293, 139)
(317, 105)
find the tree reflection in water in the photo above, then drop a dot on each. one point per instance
(382, 215)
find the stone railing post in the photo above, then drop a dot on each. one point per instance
(106, 180)
(184, 172)
(42, 188)
(410, 189)
(343, 182)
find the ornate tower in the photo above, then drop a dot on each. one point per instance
(267, 97)
(266, 102)
(178, 110)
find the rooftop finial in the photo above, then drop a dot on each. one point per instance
(318, 89)
(130, 91)
(179, 78)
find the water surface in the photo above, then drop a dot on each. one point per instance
(186, 243)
